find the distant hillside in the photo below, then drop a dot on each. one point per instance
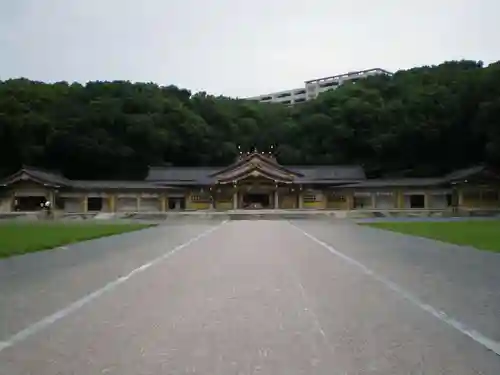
(422, 121)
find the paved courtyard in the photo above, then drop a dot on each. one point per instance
(252, 297)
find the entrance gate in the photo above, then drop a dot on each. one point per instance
(256, 200)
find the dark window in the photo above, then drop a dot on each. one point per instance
(300, 100)
(266, 98)
(472, 195)
(94, 203)
(28, 203)
(171, 203)
(286, 102)
(449, 200)
(329, 84)
(490, 196)
(300, 92)
(176, 203)
(283, 95)
(417, 201)
(256, 200)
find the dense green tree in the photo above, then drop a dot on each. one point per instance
(422, 121)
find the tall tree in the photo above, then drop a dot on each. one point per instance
(422, 121)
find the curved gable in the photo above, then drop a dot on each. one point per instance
(37, 176)
(255, 164)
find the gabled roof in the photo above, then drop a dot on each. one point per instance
(467, 173)
(255, 159)
(56, 179)
(252, 166)
(182, 175)
(330, 173)
(44, 177)
(397, 182)
(111, 185)
(460, 175)
(255, 172)
(335, 174)
(255, 164)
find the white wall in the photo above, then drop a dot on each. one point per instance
(438, 201)
(385, 202)
(126, 204)
(5, 204)
(320, 197)
(406, 201)
(105, 205)
(150, 205)
(73, 205)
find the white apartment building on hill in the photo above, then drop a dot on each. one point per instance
(314, 87)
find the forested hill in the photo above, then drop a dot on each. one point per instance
(423, 121)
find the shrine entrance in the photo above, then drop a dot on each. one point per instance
(255, 179)
(256, 201)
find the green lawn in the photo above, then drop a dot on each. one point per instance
(481, 234)
(20, 238)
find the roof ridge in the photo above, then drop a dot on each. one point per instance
(41, 169)
(183, 167)
(324, 166)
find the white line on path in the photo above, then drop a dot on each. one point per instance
(51, 319)
(490, 344)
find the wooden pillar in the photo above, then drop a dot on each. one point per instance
(349, 200)
(235, 199)
(51, 198)
(400, 199)
(112, 203)
(85, 204)
(301, 199)
(163, 203)
(276, 199)
(138, 203)
(460, 198)
(426, 200)
(374, 200)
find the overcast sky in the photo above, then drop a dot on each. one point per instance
(237, 47)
